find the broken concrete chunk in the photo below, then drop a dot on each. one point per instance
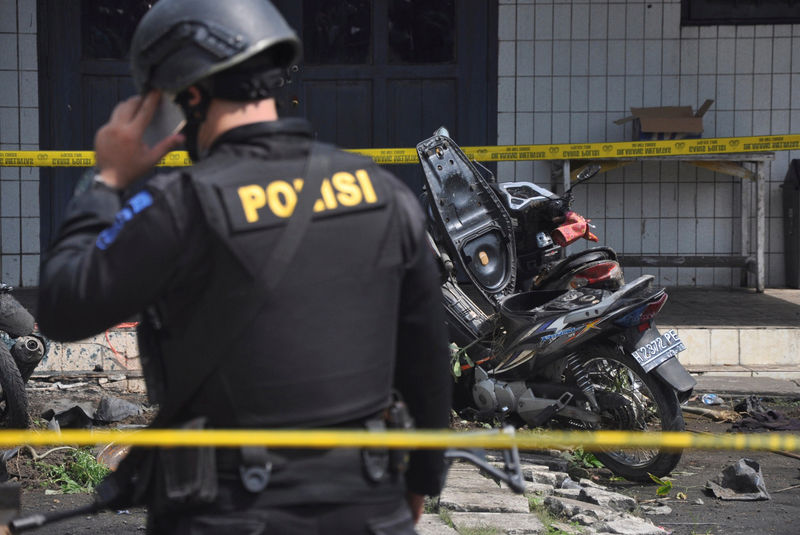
(606, 498)
(573, 494)
(430, 524)
(469, 491)
(516, 523)
(563, 527)
(546, 477)
(584, 520)
(569, 508)
(553, 461)
(537, 476)
(589, 483)
(537, 488)
(628, 526)
(656, 509)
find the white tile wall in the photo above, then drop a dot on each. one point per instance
(579, 58)
(30, 269)
(653, 21)
(19, 129)
(637, 53)
(668, 236)
(561, 94)
(781, 92)
(524, 93)
(524, 27)
(543, 58)
(29, 234)
(505, 94)
(525, 58)
(744, 55)
(671, 62)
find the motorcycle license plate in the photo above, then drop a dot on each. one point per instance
(662, 348)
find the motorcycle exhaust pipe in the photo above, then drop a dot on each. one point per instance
(28, 352)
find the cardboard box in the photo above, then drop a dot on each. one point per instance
(667, 122)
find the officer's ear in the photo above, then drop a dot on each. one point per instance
(194, 101)
(194, 97)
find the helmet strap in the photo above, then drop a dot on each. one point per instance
(195, 116)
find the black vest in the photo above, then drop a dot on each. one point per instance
(319, 348)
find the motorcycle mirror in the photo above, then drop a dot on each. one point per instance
(585, 174)
(441, 131)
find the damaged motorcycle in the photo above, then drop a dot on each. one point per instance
(20, 352)
(541, 341)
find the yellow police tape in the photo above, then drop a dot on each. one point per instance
(418, 439)
(580, 151)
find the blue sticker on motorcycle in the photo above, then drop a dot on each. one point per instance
(136, 204)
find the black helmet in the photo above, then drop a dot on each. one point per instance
(180, 42)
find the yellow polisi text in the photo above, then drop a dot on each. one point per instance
(280, 196)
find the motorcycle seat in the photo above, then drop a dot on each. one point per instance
(522, 309)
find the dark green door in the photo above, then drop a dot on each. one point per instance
(387, 73)
(376, 73)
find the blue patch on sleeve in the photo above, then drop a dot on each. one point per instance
(136, 204)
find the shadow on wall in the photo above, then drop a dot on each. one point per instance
(731, 307)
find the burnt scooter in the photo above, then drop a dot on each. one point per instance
(583, 357)
(20, 353)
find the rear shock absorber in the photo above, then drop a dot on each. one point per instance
(582, 379)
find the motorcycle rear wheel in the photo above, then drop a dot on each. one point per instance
(632, 400)
(14, 399)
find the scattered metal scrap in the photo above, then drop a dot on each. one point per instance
(68, 413)
(740, 481)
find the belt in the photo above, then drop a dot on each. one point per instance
(302, 476)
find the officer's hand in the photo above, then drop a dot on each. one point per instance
(416, 502)
(121, 155)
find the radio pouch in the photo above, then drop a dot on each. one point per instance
(398, 417)
(189, 474)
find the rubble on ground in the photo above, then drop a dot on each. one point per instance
(552, 500)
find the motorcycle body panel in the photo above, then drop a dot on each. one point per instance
(548, 323)
(470, 222)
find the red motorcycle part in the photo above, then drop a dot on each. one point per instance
(650, 312)
(574, 228)
(596, 273)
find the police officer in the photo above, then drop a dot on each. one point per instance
(281, 283)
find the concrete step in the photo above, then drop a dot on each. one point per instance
(748, 347)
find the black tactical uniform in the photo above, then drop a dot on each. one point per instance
(354, 312)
